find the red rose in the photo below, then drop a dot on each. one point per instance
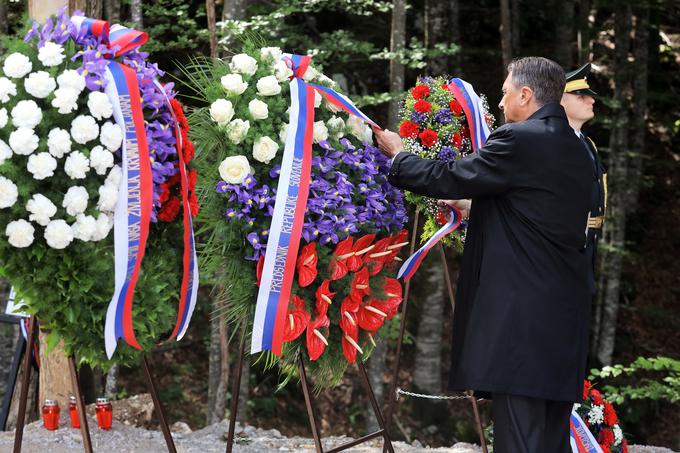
(422, 106)
(169, 211)
(610, 417)
(586, 388)
(596, 396)
(428, 137)
(457, 140)
(420, 91)
(408, 129)
(606, 438)
(455, 108)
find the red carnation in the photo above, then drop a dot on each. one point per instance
(408, 129)
(610, 417)
(193, 204)
(624, 446)
(606, 437)
(422, 106)
(189, 151)
(455, 108)
(428, 137)
(596, 396)
(441, 217)
(457, 140)
(165, 193)
(420, 91)
(586, 389)
(169, 211)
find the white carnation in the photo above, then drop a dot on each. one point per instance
(282, 71)
(17, 65)
(84, 128)
(108, 197)
(5, 152)
(58, 234)
(104, 225)
(99, 105)
(320, 131)
(237, 130)
(40, 84)
(235, 169)
(310, 74)
(596, 415)
(101, 159)
(41, 209)
(274, 53)
(258, 109)
(264, 149)
(8, 193)
(77, 165)
(111, 136)
(114, 177)
(26, 114)
(23, 141)
(221, 111)
(85, 227)
(20, 233)
(71, 79)
(51, 54)
(233, 84)
(268, 86)
(7, 89)
(65, 100)
(3, 117)
(41, 165)
(75, 200)
(243, 64)
(58, 142)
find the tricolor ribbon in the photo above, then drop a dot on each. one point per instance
(290, 206)
(580, 437)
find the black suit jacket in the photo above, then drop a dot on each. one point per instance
(522, 311)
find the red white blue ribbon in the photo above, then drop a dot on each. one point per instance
(474, 111)
(118, 38)
(290, 206)
(580, 437)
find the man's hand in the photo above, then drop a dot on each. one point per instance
(389, 142)
(462, 205)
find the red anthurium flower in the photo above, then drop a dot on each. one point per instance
(350, 344)
(297, 319)
(408, 129)
(371, 317)
(258, 271)
(337, 266)
(455, 107)
(422, 106)
(360, 248)
(428, 137)
(397, 241)
(420, 91)
(306, 265)
(324, 296)
(360, 286)
(393, 297)
(457, 140)
(317, 334)
(348, 313)
(378, 256)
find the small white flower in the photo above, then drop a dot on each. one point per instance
(77, 165)
(258, 109)
(40, 84)
(268, 86)
(26, 114)
(84, 128)
(85, 227)
(58, 234)
(41, 165)
(23, 141)
(596, 415)
(320, 131)
(20, 233)
(235, 169)
(237, 130)
(65, 100)
(283, 133)
(58, 142)
(243, 64)
(99, 105)
(17, 65)
(233, 84)
(108, 197)
(310, 74)
(51, 54)
(70, 78)
(3, 117)
(282, 72)
(8, 193)
(7, 89)
(336, 123)
(101, 159)
(221, 111)
(264, 149)
(104, 225)
(111, 136)
(273, 53)
(5, 152)
(75, 200)
(41, 209)
(114, 177)
(618, 435)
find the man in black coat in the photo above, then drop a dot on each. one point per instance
(522, 312)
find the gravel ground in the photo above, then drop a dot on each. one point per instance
(129, 439)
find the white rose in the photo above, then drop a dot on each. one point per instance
(41, 165)
(17, 65)
(310, 74)
(84, 128)
(233, 84)
(8, 193)
(237, 130)
(20, 233)
(23, 141)
(3, 117)
(356, 126)
(65, 100)
(282, 72)
(58, 142)
(243, 64)
(317, 99)
(77, 165)
(258, 109)
(268, 86)
(75, 200)
(40, 84)
(85, 227)
(101, 159)
(5, 152)
(51, 54)
(114, 177)
(7, 89)
(336, 123)
(108, 197)
(111, 136)
(221, 111)
(71, 79)
(26, 114)
(234, 169)
(274, 53)
(104, 225)
(264, 149)
(320, 131)
(99, 105)
(283, 133)
(324, 80)
(41, 209)
(58, 234)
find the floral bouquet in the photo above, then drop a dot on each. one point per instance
(351, 228)
(600, 417)
(435, 124)
(62, 173)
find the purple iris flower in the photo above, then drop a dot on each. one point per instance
(221, 187)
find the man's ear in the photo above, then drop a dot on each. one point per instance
(526, 95)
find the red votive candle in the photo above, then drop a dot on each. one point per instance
(104, 413)
(50, 411)
(73, 412)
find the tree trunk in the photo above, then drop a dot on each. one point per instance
(210, 13)
(516, 27)
(564, 30)
(455, 36)
(506, 33)
(214, 367)
(31, 403)
(112, 11)
(244, 393)
(234, 9)
(376, 376)
(3, 17)
(91, 8)
(428, 364)
(583, 34)
(397, 42)
(111, 385)
(55, 380)
(136, 14)
(40, 10)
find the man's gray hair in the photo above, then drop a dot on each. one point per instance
(545, 78)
